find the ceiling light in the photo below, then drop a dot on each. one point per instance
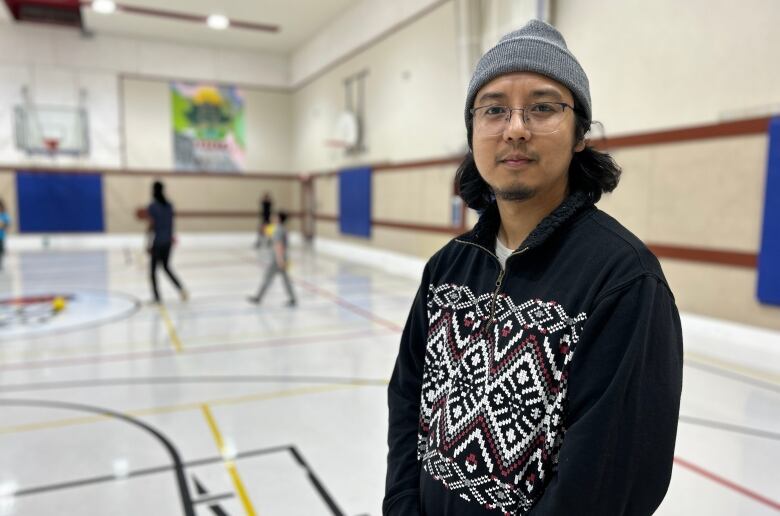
(103, 6)
(218, 21)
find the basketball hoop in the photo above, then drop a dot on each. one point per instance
(336, 144)
(52, 145)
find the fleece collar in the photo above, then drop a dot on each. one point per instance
(486, 229)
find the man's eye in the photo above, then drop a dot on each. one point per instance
(495, 110)
(542, 108)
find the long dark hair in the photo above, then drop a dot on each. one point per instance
(591, 171)
(158, 194)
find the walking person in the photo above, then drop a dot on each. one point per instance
(5, 223)
(540, 369)
(279, 261)
(266, 207)
(160, 240)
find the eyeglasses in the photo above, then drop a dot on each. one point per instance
(539, 118)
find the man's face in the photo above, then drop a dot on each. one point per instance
(517, 164)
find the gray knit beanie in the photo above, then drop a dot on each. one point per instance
(536, 47)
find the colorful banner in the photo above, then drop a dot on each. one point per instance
(208, 127)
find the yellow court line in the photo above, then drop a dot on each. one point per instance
(728, 366)
(171, 329)
(222, 339)
(229, 464)
(168, 409)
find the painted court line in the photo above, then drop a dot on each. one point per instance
(174, 337)
(729, 366)
(228, 457)
(154, 470)
(727, 483)
(192, 343)
(349, 306)
(167, 353)
(183, 407)
(344, 303)
(202, 379)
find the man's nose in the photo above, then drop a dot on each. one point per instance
(516, 128)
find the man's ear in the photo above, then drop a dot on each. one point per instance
(580, 146)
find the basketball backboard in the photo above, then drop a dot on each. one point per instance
(42, 129)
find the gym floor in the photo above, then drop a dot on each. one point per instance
(218, 407)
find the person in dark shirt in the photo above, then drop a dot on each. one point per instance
(540, 369)
(266, 207)
(160, 239)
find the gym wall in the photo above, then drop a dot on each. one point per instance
(703, 194)
(128, 100)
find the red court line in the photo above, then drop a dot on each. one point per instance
(349, 306)
(343, 303)
(165, 353)
(727, 483)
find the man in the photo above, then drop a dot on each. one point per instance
(540, 369)
(279, 261)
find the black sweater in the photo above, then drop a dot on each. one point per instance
(552, 388)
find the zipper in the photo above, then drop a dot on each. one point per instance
(494, 302)
(499, 281)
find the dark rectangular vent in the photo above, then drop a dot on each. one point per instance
(64, 12)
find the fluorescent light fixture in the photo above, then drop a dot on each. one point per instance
(218, 21)
(103, 6)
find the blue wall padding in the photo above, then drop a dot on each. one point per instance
(769, 256)
(57, 202)
(355, 202)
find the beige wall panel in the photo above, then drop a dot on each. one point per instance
(420, 196)
(215, 194)
(666, 63)
(719, 291)
(147, 124)
(8, 195)
(630, 202)
(327, 229)
(708, 193)
(124, 194)
(418, 243)
(326, 195)
(414, 98)
(472, 217)
(268, 130)
(215, 224)
(149, 133)
(226, 224)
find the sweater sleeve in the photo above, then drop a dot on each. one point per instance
(402, 487)
(623, 405)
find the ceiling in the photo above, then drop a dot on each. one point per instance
(298, 21)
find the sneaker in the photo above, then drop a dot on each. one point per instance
(185, 296)
(292, 302)
(254, 300)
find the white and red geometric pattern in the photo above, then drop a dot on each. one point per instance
(493, 395)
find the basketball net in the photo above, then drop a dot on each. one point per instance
(52, 146)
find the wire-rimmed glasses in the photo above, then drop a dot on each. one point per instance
(538, 118)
